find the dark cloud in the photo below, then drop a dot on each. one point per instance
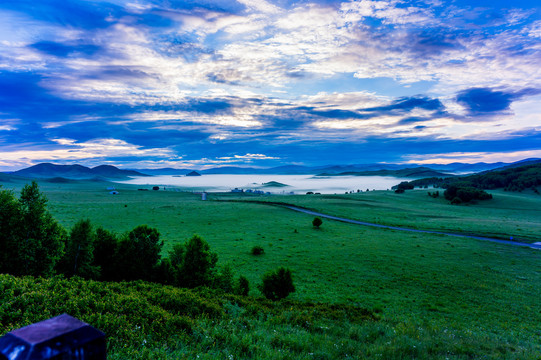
(78, 14)
(483, 100)
(212, 5)
(220, 79)
(63, 50)
(431, 42)
(405, 104)
(412, 120)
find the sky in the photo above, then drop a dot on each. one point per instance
(207, 83)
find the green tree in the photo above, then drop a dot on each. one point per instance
(139, 253)
(106, 252)
(277, 284)
(317, 222)
(197, 267)
(10, 216)
(79, 255)
(41, 238)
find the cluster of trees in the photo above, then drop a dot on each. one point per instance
(402, 187)
(459, 193)
(33, 243)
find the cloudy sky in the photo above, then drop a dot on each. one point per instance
(199, 83)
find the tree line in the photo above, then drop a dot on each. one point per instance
(34, 243)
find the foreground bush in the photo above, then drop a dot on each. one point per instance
(152, 321)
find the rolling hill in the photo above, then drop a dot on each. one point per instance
(77, 172)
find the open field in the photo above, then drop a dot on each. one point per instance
(509, 214)
(469, 298)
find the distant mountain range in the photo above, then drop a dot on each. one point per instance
(445, 169)
(108, 172)
(78, 172)
(416, 172)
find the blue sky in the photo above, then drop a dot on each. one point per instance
(201, 83)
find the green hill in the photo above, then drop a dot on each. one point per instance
(417, 172)
(511, 179)
(47, 170)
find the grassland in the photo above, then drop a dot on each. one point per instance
(434, 296)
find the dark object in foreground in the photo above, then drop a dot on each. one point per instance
(62, 337)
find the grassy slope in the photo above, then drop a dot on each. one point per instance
(434, 293)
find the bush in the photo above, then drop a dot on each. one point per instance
(257, 250)
(243, 286)
(317, 222)
(277, 284)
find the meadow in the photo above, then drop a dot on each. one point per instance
(425, 296)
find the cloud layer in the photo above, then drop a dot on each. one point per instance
(195, 83)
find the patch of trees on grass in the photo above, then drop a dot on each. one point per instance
(33, 243)
(462, 193)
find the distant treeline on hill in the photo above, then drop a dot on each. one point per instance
(512, 179)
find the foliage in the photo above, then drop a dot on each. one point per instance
(257, 250)
(224, 278)
(32, 240)
(465, 193)
(317, 222)
(78, 258)
(243, 286)
(105, 253)
(152, 321)
(404, 185)
(194, 265)
(139, 253)
(9, 227)
(277, 284)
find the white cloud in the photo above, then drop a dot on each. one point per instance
(70, 149)
(472, 157)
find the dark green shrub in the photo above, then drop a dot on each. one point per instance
(224, 278)
(257, 250)
(317, 222)
(277, 284)
(197, 264)
(456, 201)
(243, 286)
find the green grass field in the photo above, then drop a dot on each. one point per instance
(441, 295)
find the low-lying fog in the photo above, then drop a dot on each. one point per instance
(299, 184)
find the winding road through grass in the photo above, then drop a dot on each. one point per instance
(399, 228)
